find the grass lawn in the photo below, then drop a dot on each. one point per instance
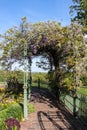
(82, 91)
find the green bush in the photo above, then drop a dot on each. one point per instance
(2, 107)
(13, 111)
(3, 116)
(31, 108)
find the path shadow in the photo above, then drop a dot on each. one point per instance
(54, 121)
(59, 120)
(75, 122)
(43, 96)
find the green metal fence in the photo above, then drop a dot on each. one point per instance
(77, 105)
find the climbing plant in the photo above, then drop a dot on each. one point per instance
(63, 47)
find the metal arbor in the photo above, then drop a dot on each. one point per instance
(25, 81)
(27, 85)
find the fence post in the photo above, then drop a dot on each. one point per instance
(39, 83)
(74, 105)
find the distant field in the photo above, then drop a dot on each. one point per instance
(42, 85)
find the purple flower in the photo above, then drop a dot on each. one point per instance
(44, 39)
(11, 122)
(34, 49)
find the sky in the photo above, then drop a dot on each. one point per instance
(11, 12)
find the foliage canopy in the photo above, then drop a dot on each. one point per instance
(63, 47)
(79, 12)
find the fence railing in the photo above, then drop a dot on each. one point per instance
(77, 105)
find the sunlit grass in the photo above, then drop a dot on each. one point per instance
(82, 91)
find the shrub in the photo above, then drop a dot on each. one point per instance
(6, 102)
(31, 108)
(3, 116)
(13, 111)
(2, 89)
(2, 106)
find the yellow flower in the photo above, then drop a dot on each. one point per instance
(21, 95)
(2, 104)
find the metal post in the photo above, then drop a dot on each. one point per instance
(25, 82)
(74, 104)
(29, 83)
(75, 53)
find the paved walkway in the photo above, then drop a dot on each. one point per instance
(50, 115)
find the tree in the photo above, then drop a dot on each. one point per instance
(79, 12)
